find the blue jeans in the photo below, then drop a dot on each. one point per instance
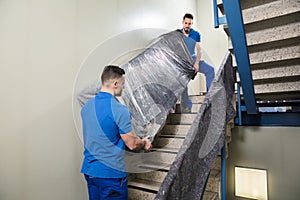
(107, 188)
(209, 73)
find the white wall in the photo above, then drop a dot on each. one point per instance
(213, 41)
(42, 44)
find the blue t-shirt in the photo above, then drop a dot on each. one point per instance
(193, 37)
(103, 120)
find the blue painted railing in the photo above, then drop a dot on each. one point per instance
(234, 20)
(218, 20)
(235, 24)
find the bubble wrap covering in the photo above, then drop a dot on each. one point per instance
(155, 79)
(188, 173)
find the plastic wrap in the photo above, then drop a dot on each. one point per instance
(155, 79)
(189, 172)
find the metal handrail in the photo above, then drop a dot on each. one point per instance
(218, 20)
(235, 24)
(216, 14)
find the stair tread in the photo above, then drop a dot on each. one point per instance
(166, 149)
(197, 98)
(269, 10)
(179, 136)
(154, 186)
(145, 184)
(168, 142)
(210, 195)
(183, 118)
(215, 173)
(171, 129)
(294, 95)
(136, 194)
(275, 72)
(277, 87)
(162, 166)
(195, 108)
(274, 54)
(268, 35)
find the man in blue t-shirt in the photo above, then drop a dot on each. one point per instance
(193, 39)
(106, 130)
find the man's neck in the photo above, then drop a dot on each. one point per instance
(107, 90)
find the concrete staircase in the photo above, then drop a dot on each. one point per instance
(273, 36)
(144, 186)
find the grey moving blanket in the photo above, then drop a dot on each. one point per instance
(155, 79)
(188, 173)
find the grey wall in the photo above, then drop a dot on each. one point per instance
(275, 149)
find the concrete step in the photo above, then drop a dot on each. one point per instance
(282, 90)
(273, 30)
(259, 10)
(274, 51)
(157, 176)
(282, 53)
(275, 66)
(280, 96)
(210, 196)
(255, 11)
(168, 150)
(138, 194)
(185, 119)
(177, 129)
(173, 138)
(249, 4)
(165, 165)
(158, 162)
(271, 72)
(156, 166)
(217, 164)
(177, 136)
(195, 108)
(146, 185)
(142, 189)
(169, 142)
(197, 98)
(228, 133)
(146, 190)
(214, 182)
(291, 84)
(161, 155)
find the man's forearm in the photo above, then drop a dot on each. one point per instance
(198, 55)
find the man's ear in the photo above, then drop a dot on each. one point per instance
(115, 83)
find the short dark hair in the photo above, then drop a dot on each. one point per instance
(111, 72)
(188, 15)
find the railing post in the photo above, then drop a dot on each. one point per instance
(218, 20)
(237, 33)
(239, 104)
(223, 172)
(216, 14)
